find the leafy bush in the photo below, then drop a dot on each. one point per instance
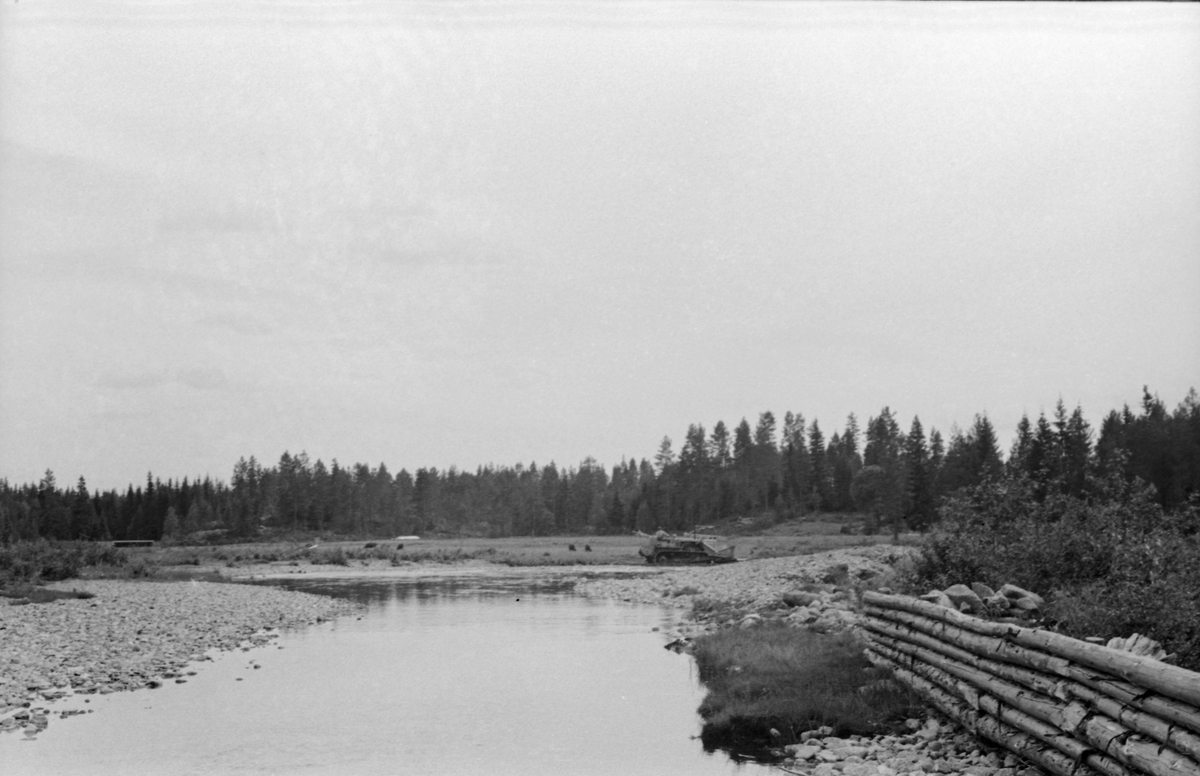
(1109, 564)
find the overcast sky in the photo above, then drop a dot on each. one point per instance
(428, 234)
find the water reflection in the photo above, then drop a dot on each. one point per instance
(461, 675)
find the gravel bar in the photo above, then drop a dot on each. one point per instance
(134, 635)
(751, 585)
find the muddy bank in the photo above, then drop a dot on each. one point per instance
(133, 635)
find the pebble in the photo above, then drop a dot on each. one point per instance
(137, 634)
(791, 590)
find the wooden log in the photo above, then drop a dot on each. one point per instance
(1022, 744)
(1036, 680)
(984, 704)
(1140, 721)
(1074, 718)
(1147, 724)
(989, 647)
(1171, 681)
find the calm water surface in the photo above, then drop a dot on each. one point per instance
(465, 674)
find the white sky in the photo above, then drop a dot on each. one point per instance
(458, 233)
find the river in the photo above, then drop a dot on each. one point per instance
(467, 673)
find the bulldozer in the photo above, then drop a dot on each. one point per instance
(685, 549)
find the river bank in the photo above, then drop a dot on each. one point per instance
(134, 634)
(816, 592)
(137, 634)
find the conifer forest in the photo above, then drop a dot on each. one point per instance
(895, 472)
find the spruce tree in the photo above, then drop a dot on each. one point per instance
(820, 495)
(920, 487)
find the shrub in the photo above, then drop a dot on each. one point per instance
(1109, 564)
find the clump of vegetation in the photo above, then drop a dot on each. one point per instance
(43, 561)
(1110, 562)
(370, 551)
(792, 681)
(31, 594)
(333, 556)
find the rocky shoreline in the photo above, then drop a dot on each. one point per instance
(814, 591)
(802, 590)
(133, 635)
(934, 747)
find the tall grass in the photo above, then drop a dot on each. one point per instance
(791, 680)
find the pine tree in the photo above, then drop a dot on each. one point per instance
(987, 449)
(84, 521)
(919, 486)
(765, 471)
(883, 449)
(820, 496)
(842, 471)
(718, 446)
(665, 457)
(796, 466)
(1018, 457)
(937, 457)
(1076, 453)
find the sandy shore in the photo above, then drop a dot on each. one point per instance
(134, 635)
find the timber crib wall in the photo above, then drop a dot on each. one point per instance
(1072, 707)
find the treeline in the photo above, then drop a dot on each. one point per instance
(897, 477)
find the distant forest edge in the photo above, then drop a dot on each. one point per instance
(898, 478)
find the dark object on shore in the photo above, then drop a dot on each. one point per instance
(369, 545)
(399, 546)
(665, 548)
(133, 543)
(681, 646)
(800, 598)
(29, 594)
(571, 547)
(836, 575)
(587, 548)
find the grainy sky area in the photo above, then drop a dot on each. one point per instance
(458, 233)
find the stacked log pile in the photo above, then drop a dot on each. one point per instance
(1073, 707)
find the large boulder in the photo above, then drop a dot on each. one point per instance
(982, 590)
(1018, 594)
(939, 598)
(800, 598)
(964, 599)
(802, 751)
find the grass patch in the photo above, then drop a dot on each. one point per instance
(791, 680)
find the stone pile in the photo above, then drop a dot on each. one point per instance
(932, 748)
(1008, 604)
(803, 590)
(134, 635)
